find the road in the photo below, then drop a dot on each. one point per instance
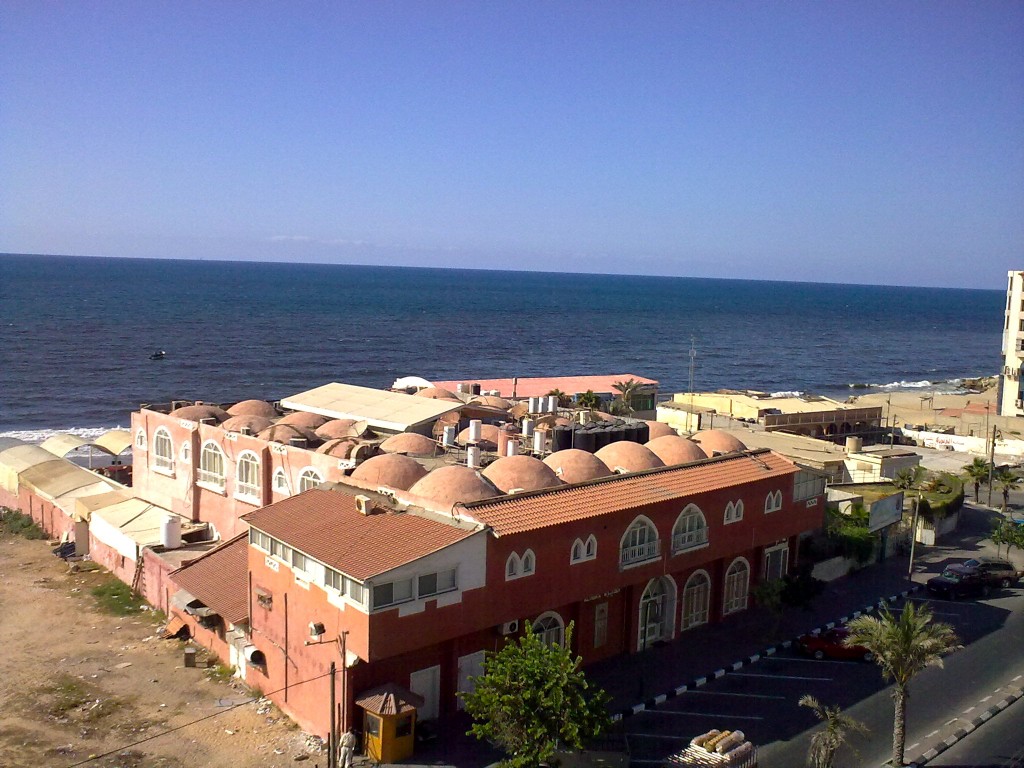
(998, 744)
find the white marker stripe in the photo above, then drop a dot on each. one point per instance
(932, 733)
(912, 746)
(967, 711)
(702, 714)
(780, 677)
(985, 699)
(740, 695)
(637, 735)
(814, 661)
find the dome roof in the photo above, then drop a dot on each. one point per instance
(714, 441)
(304, 419)
(493, 401)
(390, 469)
(630, 456)
(659, 429)
(488, 436)
(340, 447)
(282, 433)
(437, 393)
(673, 449)
(254, 422)
(520, 472)
(198, 412)
(336, 428)
(447, 485)
(410, 443)
(575, 466)
(254, 408)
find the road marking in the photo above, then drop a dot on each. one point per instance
(915, 744)
(1018, 677)
(741, 695)
(967, 711)
(637, 734)
(815, 661)
(985, 699)
(701, 714)
(932, 733)
(780, 677)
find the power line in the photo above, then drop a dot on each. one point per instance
(193, 722)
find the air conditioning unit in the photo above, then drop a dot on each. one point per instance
(1019, 403)
(363, 504)
(510, 627)
(316, 629)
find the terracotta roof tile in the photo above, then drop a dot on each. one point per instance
(220, 579)
(326, 525)
(542, 509)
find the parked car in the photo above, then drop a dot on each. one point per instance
(831, 644)
(977, 576)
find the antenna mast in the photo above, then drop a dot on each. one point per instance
(693, 362)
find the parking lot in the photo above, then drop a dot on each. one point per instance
(760, 698)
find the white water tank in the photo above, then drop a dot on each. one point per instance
(450, 431)
(511, 447)
(170, 532)
(475, 426)
(473, 456)
(534, 405)
(462, 387)
(552, 403)
(854, 444)
(528, 427)
(540, 442)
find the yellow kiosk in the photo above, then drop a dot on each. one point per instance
(389, 722)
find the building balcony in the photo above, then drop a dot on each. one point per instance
(689, 540)
(640, 553)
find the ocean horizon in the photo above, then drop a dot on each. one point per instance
(77, 332)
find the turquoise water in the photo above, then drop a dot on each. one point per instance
(77, 333)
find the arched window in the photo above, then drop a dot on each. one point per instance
(163, 450)
(211, 465)
(657, 606)
(734, 511)
(690, 530)
(640, 543)
(773, 502)
(549, 628)
(591, 547)
(512, 567)
(737, 581)
(583, 550)
(309, 478)
(577, 552)
(280, 482)
(140, 439)
(247, 477)
(696, 599)
(529, 562)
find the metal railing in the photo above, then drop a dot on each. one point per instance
(689, 539)
(639, 553)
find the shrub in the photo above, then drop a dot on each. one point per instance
(17, 523)
(116, 597)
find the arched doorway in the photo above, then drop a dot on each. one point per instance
(696, 600)
(657, 611)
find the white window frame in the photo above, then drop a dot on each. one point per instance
(246, 489)
(396, 598)
(305, 475)
(782, 546)
(549, 628)
(733, 512)
(666, 606)
(529, 563)
(260, 540)
(207, 478)
(279, 483)
(439, 589)
(140, 439)
(633, 551)
(163, 452)
(773, 502)
(513, 567)
(583, 551)
(686, 537)
(736, 591)
(695, 613)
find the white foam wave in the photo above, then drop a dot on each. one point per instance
(903, 385)
(39, 435)
(788, 393)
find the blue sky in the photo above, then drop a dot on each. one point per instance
(838, 142)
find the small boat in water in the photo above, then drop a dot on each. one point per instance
(158, 355)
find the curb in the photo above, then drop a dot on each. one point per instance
(771, 650)
(971, 726)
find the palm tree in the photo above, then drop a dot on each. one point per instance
(1006, 481)
(909, 478)
(564, 401)
(902, 646)
(589, 400)
(977, 473)
(825, 743)
(626, 389)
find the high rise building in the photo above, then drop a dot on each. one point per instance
(1011, 396)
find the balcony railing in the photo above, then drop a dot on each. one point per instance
(689, 539)
(640, 553)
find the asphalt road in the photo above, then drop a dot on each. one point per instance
(997, 744)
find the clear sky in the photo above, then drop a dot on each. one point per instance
(838, 141)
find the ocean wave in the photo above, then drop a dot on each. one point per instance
(788, 393)
(40, 435)
(950, 386)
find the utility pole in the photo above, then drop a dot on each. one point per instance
(332, 739)
(991, 464)
(693, 360)
(913, 537)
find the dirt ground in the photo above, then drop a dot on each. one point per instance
(77, 683)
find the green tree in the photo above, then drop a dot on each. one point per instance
(826, 742)
(1008, 533)
(977, 473)
(768, 594)
(589, 399)
(626, 390)
(909, 478)
(533, 697)
(1006, 480)
(564, 401)
(903, 646)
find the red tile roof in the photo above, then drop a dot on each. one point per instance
(326, 525)
(220, 579)
(535, 387)
(542, 509)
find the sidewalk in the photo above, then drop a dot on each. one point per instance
(644, 680)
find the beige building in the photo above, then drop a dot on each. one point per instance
(1011, 396)
(808, 415)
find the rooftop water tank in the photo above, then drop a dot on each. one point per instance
(170, 532)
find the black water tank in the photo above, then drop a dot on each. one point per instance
(631, 431)
(601, 438)
(586, 440)
(616, 432)
(474, 389)
(561, 438)
(643, 432)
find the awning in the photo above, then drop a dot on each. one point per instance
(389, 410)
(85, 505)
(115, 442)
(63, 444)
(57, 478)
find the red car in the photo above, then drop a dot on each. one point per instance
(830, 644)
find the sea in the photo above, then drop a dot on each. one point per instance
(76, 334)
